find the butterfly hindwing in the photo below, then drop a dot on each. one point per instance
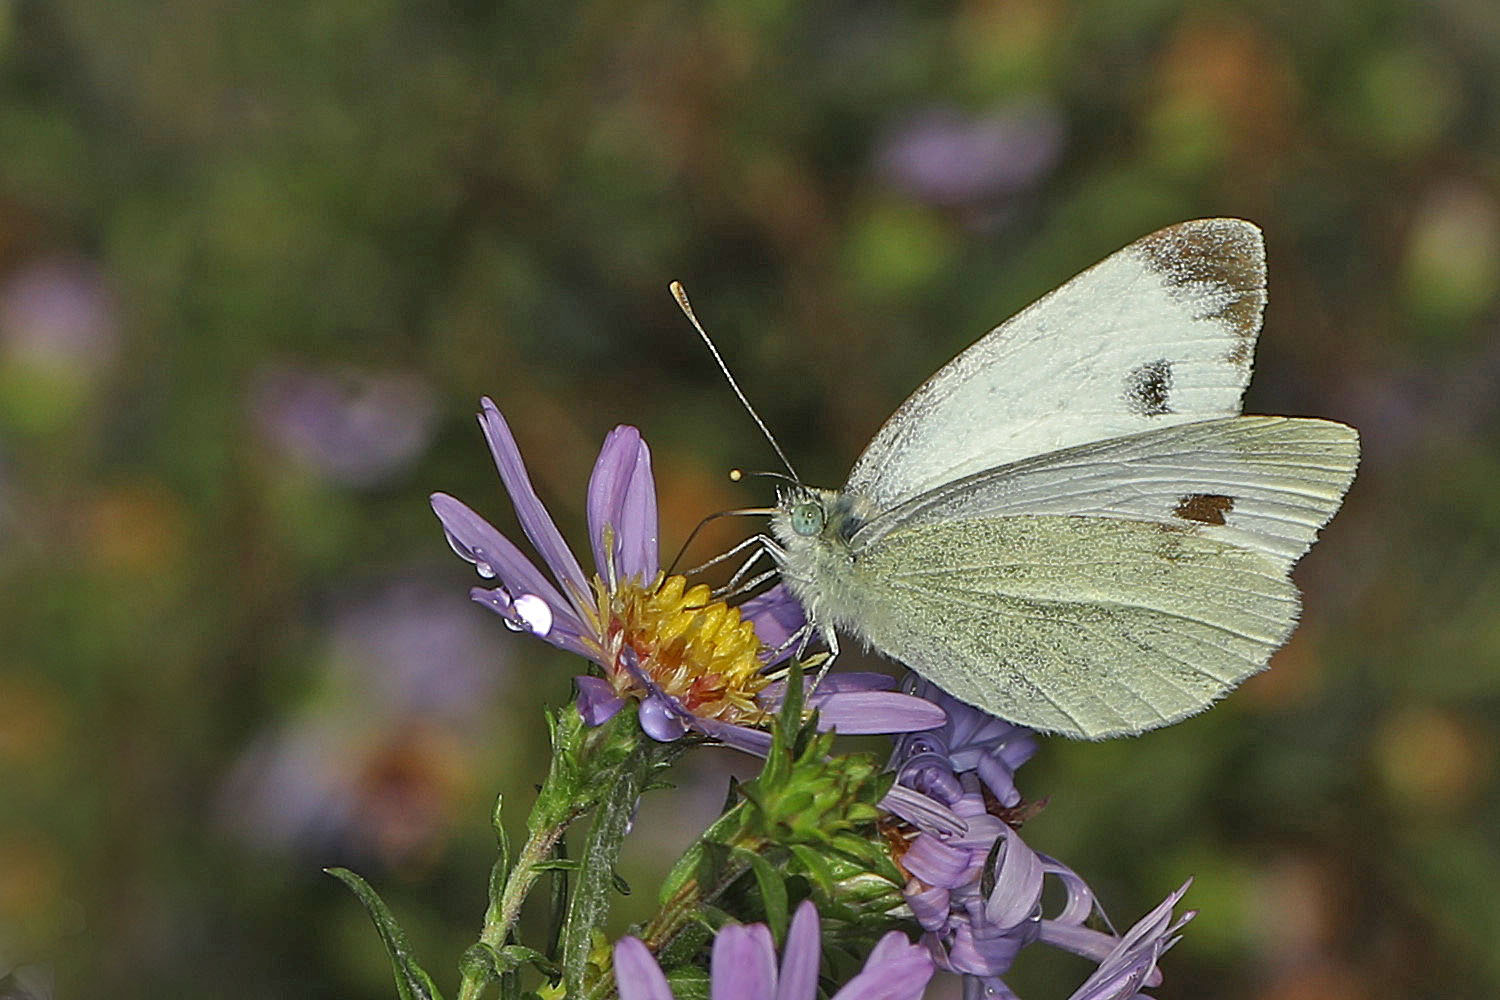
(1091, 627)
(1263, 483)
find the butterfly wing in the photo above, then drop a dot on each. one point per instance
(1090, 627)
(1160, 333)
(1106, 588)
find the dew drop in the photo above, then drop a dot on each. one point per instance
(481, 563)
(535, 614)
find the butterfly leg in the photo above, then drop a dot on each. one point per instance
(765, 543)
(832, 639)
(734, 587)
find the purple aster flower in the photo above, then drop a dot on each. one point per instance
(743, 966)
(978, 894)
(352, 427)
(692, 662)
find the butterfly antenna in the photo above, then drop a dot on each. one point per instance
(687, 308)
(735, 475)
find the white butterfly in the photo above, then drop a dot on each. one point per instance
(1070, 526)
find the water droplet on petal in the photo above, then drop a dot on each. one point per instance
(482, 563)
(659, 721)
(535, 613)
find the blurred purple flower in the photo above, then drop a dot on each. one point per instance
(743, 966)
(979, 895)
(692, 662)
(375, 762)
(411, 647)
(59, 314)
(946, 157)
(352, 427)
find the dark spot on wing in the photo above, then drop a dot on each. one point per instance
(1147, 388)
(1205, 508)
(1229, 257)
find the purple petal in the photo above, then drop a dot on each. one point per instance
(637, 974)
(622, 495)
(1079, 940)
(535, 520)
(1131, 964)
(937, 863)
(743, 966)
(800, 957)
(985, 949)
(772, 694)
(927, 814)
(895, 970)
(860, 712)
(494, 555)
(1017, 896)
(597, 702)
(776, 617)
(1000, 780)
(638, 527)
(929, 906)
(752, 741)
(1081, 904)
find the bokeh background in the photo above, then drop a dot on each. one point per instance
(258, 262)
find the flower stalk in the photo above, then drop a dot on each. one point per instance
(603, 768)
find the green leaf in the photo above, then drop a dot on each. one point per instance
(412, 983)
(590, 898)
(480, 962)
(772, 893)
(618, 790)
(688, 983)
(557, 901)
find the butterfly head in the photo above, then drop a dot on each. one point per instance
(806, 515)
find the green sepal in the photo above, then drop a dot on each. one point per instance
(412, 983)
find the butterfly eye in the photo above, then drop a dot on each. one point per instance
(807, 518)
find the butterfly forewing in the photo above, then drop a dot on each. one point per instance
(1161, 332)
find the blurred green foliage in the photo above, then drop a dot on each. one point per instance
(258, 261)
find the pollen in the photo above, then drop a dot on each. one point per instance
(698, 650)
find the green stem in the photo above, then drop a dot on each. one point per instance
(604, 767)
(501, 917)
(678, 913)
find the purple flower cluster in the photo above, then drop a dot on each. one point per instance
(978, 894)
(693, 663)
(743, 966)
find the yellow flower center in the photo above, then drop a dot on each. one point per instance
(698, 650)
